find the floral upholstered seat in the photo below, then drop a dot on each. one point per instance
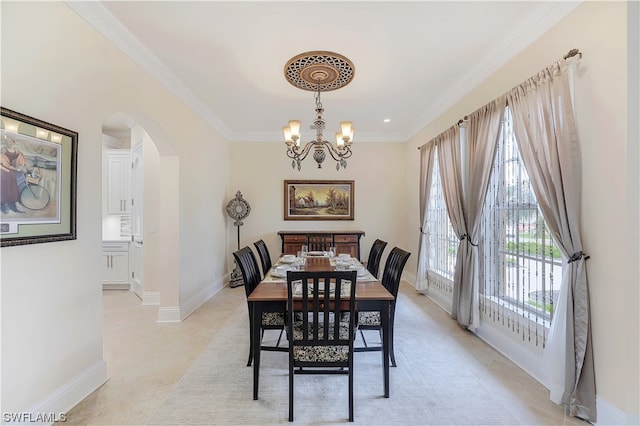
(319, 341)
(326, 353)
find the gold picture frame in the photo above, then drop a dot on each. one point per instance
(319, 199)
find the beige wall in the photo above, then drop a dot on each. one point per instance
(69, 75)
(609, 189)
(259, 170)
(55, 67)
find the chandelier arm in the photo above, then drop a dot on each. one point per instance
(295, 153)
(337, 154)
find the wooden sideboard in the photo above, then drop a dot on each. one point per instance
(343, 241)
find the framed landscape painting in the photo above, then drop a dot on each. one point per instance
(38, 186)
(318, 199)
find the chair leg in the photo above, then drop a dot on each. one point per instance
(351, 393)
(391, 318)
(363, 339)
(280, 337)
(393, 355)
(250, 350)
(290, 392)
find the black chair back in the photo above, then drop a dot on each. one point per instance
(265, 258)
(317, 335)
(393, 270)
(319, 242)
(248, 265)
(373, 263)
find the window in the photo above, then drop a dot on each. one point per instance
(443, 243)
(520, 266)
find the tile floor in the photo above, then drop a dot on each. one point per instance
(146, 359)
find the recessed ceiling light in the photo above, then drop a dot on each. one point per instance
(387, 120)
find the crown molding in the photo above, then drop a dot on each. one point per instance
(105, 23)
(514, 43)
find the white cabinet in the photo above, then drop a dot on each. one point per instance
(118, 181)
(115, 265)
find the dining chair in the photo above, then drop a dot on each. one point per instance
(319, 242)
(370, 319)
(319, 341)
(375, 254)
(271, 320)
(265, 258)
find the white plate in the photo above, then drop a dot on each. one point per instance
(291, 260)
(278, 274)
(363, 273)
(315, 253)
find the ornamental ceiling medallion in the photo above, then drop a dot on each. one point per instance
(331, 70)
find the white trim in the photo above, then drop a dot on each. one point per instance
(198, 299)
(151, 298)
(113, 286)
(610, 415)
(136, 287)
(106, 24)
(527, 357)
(71, 393)
(169, 314)
(113, 30)
(536, 25)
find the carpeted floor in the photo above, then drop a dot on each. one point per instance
(427, 387)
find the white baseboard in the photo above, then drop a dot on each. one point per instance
(198, 299)
(151, 298)
(179, 313)
(67, 396)
(169, 314)
(610, 415)
(126, 286)
(136, 287)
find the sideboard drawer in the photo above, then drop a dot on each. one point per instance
(346, 238)
(295, 239)
(343, 241)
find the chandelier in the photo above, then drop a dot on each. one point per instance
(319, 71)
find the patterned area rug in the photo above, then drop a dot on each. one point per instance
(426, 387)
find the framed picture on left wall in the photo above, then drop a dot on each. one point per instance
(38, 180)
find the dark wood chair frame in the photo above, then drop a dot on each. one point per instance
(265, 258)
(375, 254)
(391, 281)
(319, 242)
(318, 307)
(248, 265)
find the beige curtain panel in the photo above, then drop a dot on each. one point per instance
(427, 153)
(546, 133)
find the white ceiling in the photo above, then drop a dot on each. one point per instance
(412, 59)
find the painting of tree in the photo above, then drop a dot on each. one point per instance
(318, 200)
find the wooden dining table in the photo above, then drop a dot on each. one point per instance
(271, 292)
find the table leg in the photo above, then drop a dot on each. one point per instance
(384, 320)
(256, 331)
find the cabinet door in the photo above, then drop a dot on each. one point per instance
(119, 183)
(120, 267)
(107, 270)
(115, 265)
(346, 244)
(292, 244)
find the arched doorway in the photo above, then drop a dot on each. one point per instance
(151, 216)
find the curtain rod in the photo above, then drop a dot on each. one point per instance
(570, 54)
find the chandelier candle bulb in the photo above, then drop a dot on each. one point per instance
(287, 135)
(294, 126)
